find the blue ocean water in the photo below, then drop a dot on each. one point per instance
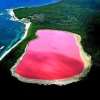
(12, 31)
(6, 4)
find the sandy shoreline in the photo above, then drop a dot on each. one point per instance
(27, 25)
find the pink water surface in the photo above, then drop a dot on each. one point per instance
(52, 55)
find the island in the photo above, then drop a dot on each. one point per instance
(59, 16)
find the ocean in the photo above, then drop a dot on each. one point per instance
(12, 31)
(6, 4)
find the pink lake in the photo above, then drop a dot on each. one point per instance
(52, 55)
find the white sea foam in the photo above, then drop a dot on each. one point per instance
(2, 47)
(11, 13)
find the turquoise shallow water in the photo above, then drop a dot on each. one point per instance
(12, 31)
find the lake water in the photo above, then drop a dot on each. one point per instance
(12, 31)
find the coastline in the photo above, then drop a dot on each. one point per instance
(27, 25)
(13, 17)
